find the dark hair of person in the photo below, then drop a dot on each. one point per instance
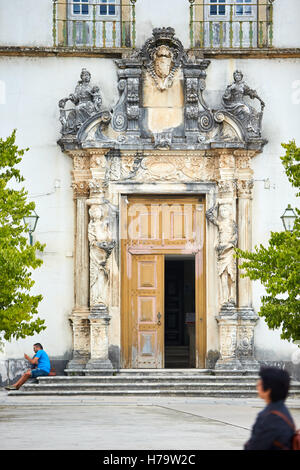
(276, 380)
(39, 345)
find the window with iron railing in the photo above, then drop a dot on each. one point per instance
(93, 24)
(231, 24)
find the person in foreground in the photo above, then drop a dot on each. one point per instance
(40, 364)
(271, 431)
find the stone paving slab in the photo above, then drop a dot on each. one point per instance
(97, 423)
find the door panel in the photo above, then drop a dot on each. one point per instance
(152, 227)
(147, 307)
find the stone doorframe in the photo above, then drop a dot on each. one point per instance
(100, 178)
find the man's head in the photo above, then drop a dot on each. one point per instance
(273, 384)
(37, 346)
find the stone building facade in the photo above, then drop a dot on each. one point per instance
(165, 157)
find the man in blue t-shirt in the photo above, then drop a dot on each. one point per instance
(40, 364)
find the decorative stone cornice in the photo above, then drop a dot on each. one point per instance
(94, 169)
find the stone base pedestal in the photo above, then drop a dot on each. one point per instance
(78, 362)
(81, 339)
(236, 330)
(99, 364)
(99, 321)
(228, 325)
(228, 364)
(245, 344)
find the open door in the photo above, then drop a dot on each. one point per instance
(147, 307)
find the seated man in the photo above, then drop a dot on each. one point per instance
(40, 363)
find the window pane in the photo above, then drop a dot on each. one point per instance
(85, 8)
(222, 10)
(111, 9)
(213, 8)
(103, 8)
(76, 8)
(248, 9)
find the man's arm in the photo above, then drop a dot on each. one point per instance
(33, 361)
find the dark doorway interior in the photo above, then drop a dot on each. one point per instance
(179, 312)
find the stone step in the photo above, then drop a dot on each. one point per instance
(152, 393)
(146, 379)
(145, 386)
(159, 372)
(151, 382)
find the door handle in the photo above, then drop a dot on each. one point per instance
(158, 319)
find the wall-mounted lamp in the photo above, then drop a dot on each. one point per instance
(31, 221)
(288, 218)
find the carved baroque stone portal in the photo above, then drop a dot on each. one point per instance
(162, 137)
(162, 104)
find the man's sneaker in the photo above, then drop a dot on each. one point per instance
(10, 387)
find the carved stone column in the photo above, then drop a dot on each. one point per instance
(247, 316)
(80, 313)
(101, 246)
(245, 237)
(225, 220)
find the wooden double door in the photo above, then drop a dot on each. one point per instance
(153, 229)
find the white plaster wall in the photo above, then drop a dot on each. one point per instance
(26, 22)
(30, 104)
(286, 23)
(162, 13)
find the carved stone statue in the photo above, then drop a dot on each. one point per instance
(227, 241)
(233, 101)
(101, 247)
(87, 101)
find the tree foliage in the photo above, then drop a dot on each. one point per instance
(17, 257)
(277, 267)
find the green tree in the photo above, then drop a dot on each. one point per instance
(17, 257)
(277, 267)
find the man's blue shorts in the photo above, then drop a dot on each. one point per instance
(38, 373)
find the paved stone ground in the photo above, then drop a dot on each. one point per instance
(97, 423)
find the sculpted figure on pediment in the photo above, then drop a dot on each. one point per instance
(87, 101)
(234, 102)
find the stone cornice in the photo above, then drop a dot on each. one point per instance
(114, 53)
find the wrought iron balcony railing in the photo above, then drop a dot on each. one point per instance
(223, 24)
(82, 24)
